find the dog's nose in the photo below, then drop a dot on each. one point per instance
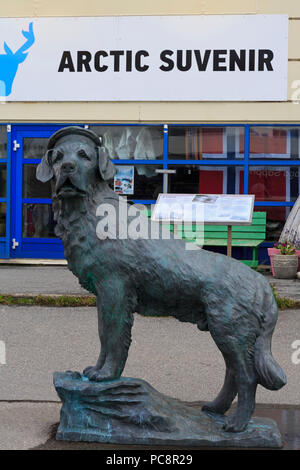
(68, 166)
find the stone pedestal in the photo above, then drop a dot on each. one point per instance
(130, 411)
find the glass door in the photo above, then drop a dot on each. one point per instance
(32, 222)
(4, 191)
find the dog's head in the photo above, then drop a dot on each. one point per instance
(74, 162)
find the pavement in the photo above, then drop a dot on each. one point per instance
(39, 280)
(289, 288)
(175, 358)
(58, 280)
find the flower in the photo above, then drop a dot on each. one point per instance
(285, 248)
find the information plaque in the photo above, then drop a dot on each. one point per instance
(205, 209)
(213, 209)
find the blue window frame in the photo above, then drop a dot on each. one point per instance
(245, 163)
(20, 244)
(5, 162)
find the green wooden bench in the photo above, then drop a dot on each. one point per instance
(247, 236)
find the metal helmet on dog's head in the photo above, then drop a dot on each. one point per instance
(44, 170)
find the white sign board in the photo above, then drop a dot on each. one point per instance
(144, 58)
(210, 209)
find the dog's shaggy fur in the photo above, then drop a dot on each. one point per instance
(158, 277)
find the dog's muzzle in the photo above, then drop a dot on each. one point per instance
(67, 183)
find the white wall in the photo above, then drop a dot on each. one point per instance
(155, 111)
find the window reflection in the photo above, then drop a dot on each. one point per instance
(276, 217)
(33, 187)
(131, 142)
(274, 143)
(34, 147)
(38, 221)
(3, 142)
(201, 143)
(138, 181)
(2, 219)
(272, 183)
(2, 179)
(204, 179)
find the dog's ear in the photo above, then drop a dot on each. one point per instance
(44, 172)
(106, 168)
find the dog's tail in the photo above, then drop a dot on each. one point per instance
(270, 374)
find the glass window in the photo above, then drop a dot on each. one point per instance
(38, 221)
(2, 219)
(274, 143)
(272, 183)
(276, 218)
(138, 181)
(3, 142)
(34, 147)
(131, 142)
(201, 143)
(195, 179)
(31, 186)
(2, 179)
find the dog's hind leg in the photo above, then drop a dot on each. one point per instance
(238, 349)
(247, 384)
(227, 394)
(115, 320)
(242, 366)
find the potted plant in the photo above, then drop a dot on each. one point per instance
(275, 251)
(286, 262)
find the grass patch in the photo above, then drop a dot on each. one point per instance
(284, 303)
(49, 300)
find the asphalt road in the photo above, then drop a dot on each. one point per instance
(175, 358)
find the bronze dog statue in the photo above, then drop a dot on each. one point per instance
(158, 277)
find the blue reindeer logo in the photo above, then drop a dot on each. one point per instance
(10, 61)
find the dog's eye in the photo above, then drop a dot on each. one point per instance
(57, 157)
(82, 153)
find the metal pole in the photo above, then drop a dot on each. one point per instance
(229, 241)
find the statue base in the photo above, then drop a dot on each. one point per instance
(130, 411)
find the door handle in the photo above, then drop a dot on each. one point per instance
(16, 146)
(14, 243)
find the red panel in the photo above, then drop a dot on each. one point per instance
(241, 185)
(258, 184)
(267, 185)
(276, 185)
(211, 181)
(212, 140)
(268, 141)
(242, 143)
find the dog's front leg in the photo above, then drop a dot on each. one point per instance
(115, 320)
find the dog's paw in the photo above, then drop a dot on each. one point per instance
(232, 424)
(211, 407)
(98, 375)
(87, 370)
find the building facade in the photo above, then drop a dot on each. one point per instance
(238, 146)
